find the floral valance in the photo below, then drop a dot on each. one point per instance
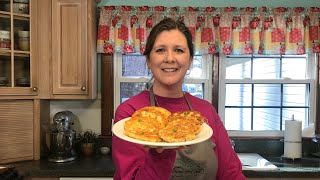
(227, 30)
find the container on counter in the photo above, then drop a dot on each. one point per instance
(5, 39)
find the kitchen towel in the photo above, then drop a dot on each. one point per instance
(292, 139)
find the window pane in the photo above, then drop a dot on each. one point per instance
(267, 95)
(295, 94)
(194, 89)
(134, 65)
(129, 89)
(198, 68)
(266, 119)
(300, 114)
(266, 68)
(238, 118)
(238, 68)
(290, 66)
(238, 94)
(272, 103)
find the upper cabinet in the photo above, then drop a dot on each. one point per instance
(18, 47)
(74, 61)
(48, 49)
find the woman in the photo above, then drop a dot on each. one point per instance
(169, 52)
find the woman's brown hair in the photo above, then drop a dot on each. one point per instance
(166, 25)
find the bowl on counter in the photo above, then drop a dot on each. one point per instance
(104, 150)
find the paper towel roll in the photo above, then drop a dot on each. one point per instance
(292, 150)
(293, 132)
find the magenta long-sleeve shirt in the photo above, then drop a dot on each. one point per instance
(133, 161)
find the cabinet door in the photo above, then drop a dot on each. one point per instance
(18, 58)
(74, 59)
(17, 130)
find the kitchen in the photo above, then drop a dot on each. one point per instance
(57, 96)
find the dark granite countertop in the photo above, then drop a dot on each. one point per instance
(306, 167)
(102, 166)
(96, 166)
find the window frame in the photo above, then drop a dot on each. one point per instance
(107, 99)
(119, 78)
(264, 133)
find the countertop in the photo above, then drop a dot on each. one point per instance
(102, 166)
(306, 167)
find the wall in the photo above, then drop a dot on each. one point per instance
(89, 111)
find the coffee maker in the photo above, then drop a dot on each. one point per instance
(62, 137)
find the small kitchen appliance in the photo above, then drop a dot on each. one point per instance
(62, 137)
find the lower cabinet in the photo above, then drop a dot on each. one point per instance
(20, 129)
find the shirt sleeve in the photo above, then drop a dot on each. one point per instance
(229, 165)
(133, 161)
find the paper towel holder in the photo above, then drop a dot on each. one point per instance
(290, 158)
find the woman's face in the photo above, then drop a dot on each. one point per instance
(169, 58)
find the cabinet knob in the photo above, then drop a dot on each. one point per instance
(34, 89)
(83, 88)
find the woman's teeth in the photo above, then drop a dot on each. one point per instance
(170, 69)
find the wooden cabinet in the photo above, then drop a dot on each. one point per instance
(20, 129)
(18, 49)
(74, 61)
(60, 62)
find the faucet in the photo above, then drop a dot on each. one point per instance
(233, 144)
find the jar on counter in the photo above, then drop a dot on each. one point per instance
(5, 39)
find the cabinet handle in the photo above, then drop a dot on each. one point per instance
(83, 88)
(34, 89)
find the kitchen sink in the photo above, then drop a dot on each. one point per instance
(253, 161)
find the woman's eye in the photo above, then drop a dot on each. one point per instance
(179, 50)
(160, 50)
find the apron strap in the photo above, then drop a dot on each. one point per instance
(152, 101)
(151, 96)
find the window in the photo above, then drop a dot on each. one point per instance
(279, 86)
(132, 76)
(258, 93)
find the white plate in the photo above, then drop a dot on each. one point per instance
(204, 134)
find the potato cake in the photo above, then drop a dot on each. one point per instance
(145, 123)
(156, 124)
(182, 126)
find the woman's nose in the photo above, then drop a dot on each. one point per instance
(170, 56)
